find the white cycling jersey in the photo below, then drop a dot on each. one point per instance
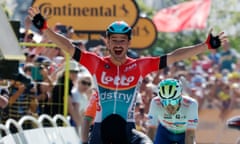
(185, 118)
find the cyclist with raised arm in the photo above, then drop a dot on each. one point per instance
(173, 118)
(118, 77)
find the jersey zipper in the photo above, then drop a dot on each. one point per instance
(115, 93)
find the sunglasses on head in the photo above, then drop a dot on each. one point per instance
(86, 83)
(173, 102)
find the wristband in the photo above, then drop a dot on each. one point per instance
(39, 22)
(45, 26)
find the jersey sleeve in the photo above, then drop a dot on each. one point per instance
(153, 114)
(193, 115)
(88, 59)
(151, 64)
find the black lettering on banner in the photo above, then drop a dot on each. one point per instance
(69, 10)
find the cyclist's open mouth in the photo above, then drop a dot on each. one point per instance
(118, 51)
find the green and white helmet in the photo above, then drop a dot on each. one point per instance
(170, 89)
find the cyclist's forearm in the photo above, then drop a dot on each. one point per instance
(151, 132)
(61, 41)
(190, 137)
(85, 128)
(185, 52)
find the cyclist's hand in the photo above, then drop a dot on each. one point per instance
(214, 42)
(37, 19)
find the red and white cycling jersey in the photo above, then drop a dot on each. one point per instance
(117, 86)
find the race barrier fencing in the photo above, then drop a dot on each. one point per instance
(40, 135)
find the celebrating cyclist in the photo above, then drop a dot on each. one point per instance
(173, 118)
(118, 77)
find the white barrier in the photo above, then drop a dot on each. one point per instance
(68, 133)
(40, 135)
(18, 137)
(51, 132)
(8, 139)
(36, 135)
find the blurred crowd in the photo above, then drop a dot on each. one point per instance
(212, 78)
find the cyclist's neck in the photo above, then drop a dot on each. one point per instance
(118, 62)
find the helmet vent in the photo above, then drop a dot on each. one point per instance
(175, 92)
(125, 29)
(170, 89)
(163, 90)
(112, 29)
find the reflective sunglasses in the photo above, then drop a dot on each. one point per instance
(173, 102)
(85, 83)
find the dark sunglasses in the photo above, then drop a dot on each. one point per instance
(86, 83)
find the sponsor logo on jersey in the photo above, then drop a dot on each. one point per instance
(116, 80)
(97, 101)
(167, 116)
(109, 96)
(107, 66)
(186, 102)
(131, 67)
(178, 116)
(193, 121)
(176, 124)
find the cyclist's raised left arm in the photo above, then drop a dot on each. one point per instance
(212, 42)
(185, 52)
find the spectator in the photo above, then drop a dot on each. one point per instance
(141, 119)
(81, 93)
(57, 95)
(198, 85)
(146, 92)
(227, 57)
(214, 56)
(4, 95)
(224, 98)
(19, 100)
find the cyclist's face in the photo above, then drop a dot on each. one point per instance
(172, 109)
(118, 46)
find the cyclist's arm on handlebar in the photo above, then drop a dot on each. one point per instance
(87, 121)
(190, 136)
(151, 132)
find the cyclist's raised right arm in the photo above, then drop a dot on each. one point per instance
(40, 23)
(61, 41)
